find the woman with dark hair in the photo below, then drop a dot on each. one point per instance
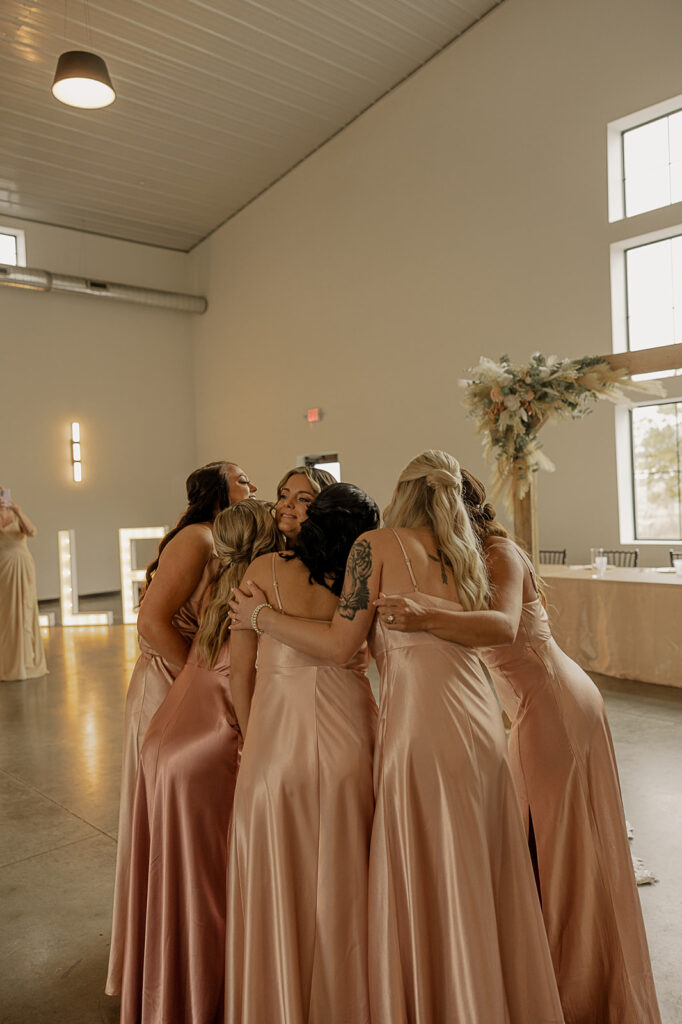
(297, 874)
(174, 962)
(566, 777)
(167, 622)
(455, 929)
(296, 491)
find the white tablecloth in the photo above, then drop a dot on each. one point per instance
(627, 623)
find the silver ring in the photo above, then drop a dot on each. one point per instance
(390, 618)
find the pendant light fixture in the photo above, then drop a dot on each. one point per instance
(82, 80)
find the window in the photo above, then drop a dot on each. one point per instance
(656, 432)
(652, 164)
(645, 160)
(12, 247)
(645, 173)
(328, 461)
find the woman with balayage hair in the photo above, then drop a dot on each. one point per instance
(297, 489)
(167, 622)
(174, 960)
(566, 777)
(296, 943)
(455, 929)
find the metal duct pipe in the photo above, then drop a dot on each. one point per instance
(44, 281)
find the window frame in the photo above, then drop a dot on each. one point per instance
(20, 237)
(615, 131)
(631, 513)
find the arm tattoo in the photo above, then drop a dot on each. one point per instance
(355, 595)
(439, 558)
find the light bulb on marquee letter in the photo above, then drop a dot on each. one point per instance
(68, 586)
(130, 574)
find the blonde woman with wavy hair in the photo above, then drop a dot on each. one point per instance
(174, 957)
(455, 929)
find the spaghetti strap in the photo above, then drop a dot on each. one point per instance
(524, 558)
(274, 581)
(408, 563)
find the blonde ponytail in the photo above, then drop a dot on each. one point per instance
(241, 533)
(429, 493)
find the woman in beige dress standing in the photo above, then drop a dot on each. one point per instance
(296, 942)
(167, 622)
(21, 645)
(566, 777)
(455, 930)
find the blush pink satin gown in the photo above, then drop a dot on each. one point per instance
(150, 683)
(455, 930)
(565, 772)
(299, 848)
(174, 960)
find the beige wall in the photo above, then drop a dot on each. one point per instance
(465, 214)
(123, 372)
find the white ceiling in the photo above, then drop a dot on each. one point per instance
(216, 100)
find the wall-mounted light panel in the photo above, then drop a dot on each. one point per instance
(68, 586)
(131, 575)
(76, 465)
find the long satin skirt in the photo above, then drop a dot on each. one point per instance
(150, 683)
(455, 930)
(297, 877)
(174, 962)
(565, 772)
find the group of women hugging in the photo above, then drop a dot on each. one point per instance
(290, 853)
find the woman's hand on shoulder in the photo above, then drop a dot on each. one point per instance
(244, 603)
(409, 614)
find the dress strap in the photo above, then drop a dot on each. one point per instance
(408, 563)
(274, 580)
(524, 558)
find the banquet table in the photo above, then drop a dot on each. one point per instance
(626, 623)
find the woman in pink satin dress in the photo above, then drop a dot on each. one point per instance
(296, 492)
(297, 877)
(167, 623)
(565, 772)
(455, 930)
(174, 959)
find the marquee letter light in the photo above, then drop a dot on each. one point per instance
(130, 574)
(46, 620)
(68, 586)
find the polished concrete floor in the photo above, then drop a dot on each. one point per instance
(59, 765)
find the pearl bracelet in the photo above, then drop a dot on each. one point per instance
(254, 617)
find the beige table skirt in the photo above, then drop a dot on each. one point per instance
(628, 624)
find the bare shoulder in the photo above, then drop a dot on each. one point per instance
(502, 554)
(193, 541)
(260, 570)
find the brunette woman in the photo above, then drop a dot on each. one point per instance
(174, 961)
(455, 930)
(565, 772)
(297, 877)
(167, 622)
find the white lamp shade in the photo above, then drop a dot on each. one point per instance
(82, 80)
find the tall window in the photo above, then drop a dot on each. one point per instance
(657, 470)
(645, 173)
(12, 247)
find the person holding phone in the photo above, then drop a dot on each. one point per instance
(21, 646)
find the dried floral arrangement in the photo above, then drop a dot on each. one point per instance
(510, 402)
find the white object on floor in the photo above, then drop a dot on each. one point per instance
(642, 874)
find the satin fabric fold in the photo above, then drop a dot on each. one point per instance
(455, 930)
(174, 961)
(565, 772)
(299, 849)
(21, 645)
(150, 682)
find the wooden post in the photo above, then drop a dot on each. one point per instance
(526, 519)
